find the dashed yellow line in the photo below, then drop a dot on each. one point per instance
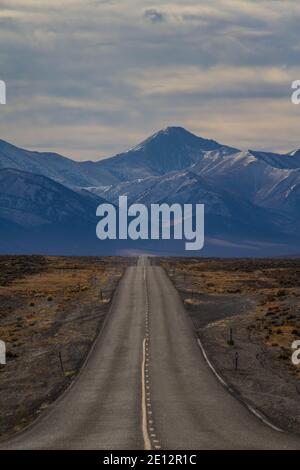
(147, 443)
(149, 434)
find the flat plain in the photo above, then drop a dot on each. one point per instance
(249, 310)
(51, 310)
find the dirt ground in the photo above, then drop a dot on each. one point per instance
(249, 311)
(51, 310)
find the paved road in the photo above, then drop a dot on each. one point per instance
(146, 385)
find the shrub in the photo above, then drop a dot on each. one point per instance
(281, 293)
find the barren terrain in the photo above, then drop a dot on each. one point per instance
(51, 310)
(249, 310)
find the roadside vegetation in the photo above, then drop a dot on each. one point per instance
(248, 309)
(51, 310)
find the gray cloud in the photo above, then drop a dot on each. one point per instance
(154, 15)
(99, 78)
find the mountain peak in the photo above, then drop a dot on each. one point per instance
(174, 130)
(169, 149)
(175, 137)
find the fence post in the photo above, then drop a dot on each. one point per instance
(61, 363)
(236, 360)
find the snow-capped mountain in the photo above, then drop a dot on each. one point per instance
(270, 182)
(61, 169)
(170, 149)
(173, 148)
(287, 161)
(39, 215)
(251, 198)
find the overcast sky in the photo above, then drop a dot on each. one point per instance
(95, 77)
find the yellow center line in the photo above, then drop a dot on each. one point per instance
(147, 443)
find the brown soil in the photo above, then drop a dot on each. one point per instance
(257, 303)
(48, 307)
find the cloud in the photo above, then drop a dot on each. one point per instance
(214, 82)
(100, 78)
(154, 15)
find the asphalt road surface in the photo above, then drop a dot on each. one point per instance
(147, 386)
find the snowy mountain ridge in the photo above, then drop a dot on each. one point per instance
(251, 198)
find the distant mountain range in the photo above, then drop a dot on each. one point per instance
(252, 198)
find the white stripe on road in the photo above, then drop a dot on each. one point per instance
(147, 444)
(250, 408)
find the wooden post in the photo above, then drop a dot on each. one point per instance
(61, 363)
(236, 360)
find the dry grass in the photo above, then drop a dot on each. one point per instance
(258, 303)
(274, 286)
(48, 305)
